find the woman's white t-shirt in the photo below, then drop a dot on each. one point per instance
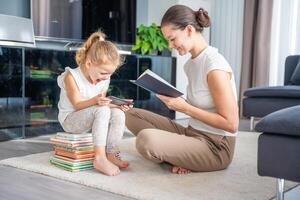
(86, 89)
(198, 93)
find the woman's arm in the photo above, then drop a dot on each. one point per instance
(226, 116)
(75, 98)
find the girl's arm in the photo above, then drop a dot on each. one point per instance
(75, 97)
(226, 116)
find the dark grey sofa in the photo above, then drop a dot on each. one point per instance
(260, 101)
(279, 146)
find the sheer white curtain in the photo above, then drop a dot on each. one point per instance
(285, 38)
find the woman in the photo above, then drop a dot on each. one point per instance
(207, 144)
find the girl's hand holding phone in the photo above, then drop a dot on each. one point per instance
(123, 104)
(124, 108)
(102, 100)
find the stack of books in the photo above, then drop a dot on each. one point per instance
(72, 152)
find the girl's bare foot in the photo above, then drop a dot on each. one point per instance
(180, 170)
(114, 159)
(106, 167)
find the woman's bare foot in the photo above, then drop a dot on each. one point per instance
(106, 167)
(180, 170)
(120, 163)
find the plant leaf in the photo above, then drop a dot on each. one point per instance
(150, 39)
(145, 47)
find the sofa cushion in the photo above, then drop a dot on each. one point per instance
(284, 122)
(278, 156)
(260, 107)
(295, 78)
(287, 91)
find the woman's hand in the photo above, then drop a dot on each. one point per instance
(102, 100)
(177, 104)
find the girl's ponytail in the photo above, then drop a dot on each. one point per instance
(81, 54)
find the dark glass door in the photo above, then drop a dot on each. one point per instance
(41, 89)
(11, 101)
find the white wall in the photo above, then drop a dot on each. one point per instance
(141, 12)
(149, 11)
(227, 32)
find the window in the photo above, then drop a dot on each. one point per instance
(285, 38)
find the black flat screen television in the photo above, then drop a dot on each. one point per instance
(77, 19)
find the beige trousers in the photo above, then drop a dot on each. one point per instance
(160, 139)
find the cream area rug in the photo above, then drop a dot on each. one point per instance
(146, 180)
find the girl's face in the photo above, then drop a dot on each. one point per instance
(178, 39)
(99, 72)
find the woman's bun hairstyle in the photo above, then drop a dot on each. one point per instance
(202, 18)
(180, 16)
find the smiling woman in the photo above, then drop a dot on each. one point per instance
(207, 144)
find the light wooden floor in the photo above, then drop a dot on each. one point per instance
(18, 184)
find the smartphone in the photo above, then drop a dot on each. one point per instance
(119, 102)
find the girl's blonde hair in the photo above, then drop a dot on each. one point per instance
(99, 51)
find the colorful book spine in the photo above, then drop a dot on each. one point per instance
(72, 152)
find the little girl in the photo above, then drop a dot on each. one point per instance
(83, 105)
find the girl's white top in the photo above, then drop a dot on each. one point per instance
(87, 90)
(198, 93)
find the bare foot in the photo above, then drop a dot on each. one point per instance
(106, 167)
(180, 170)
(120, 163)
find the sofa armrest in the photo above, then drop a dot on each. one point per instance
(283, 122)
(287, 91)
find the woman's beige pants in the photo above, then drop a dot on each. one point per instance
(160, 139)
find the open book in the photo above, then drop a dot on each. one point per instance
(154, 83)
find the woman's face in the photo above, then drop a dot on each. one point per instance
(178, 39)
(99, 72)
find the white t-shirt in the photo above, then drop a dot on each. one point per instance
(86, 89)
(198, 93)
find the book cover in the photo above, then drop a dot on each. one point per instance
(74, 135)
(72, 159)
(73, 164)
(154, 83)
(59, 140)
(68, 145)
(75, 149)
(70, 168)
(73, 139)
(74, 155)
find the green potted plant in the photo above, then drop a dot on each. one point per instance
(150, 40)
